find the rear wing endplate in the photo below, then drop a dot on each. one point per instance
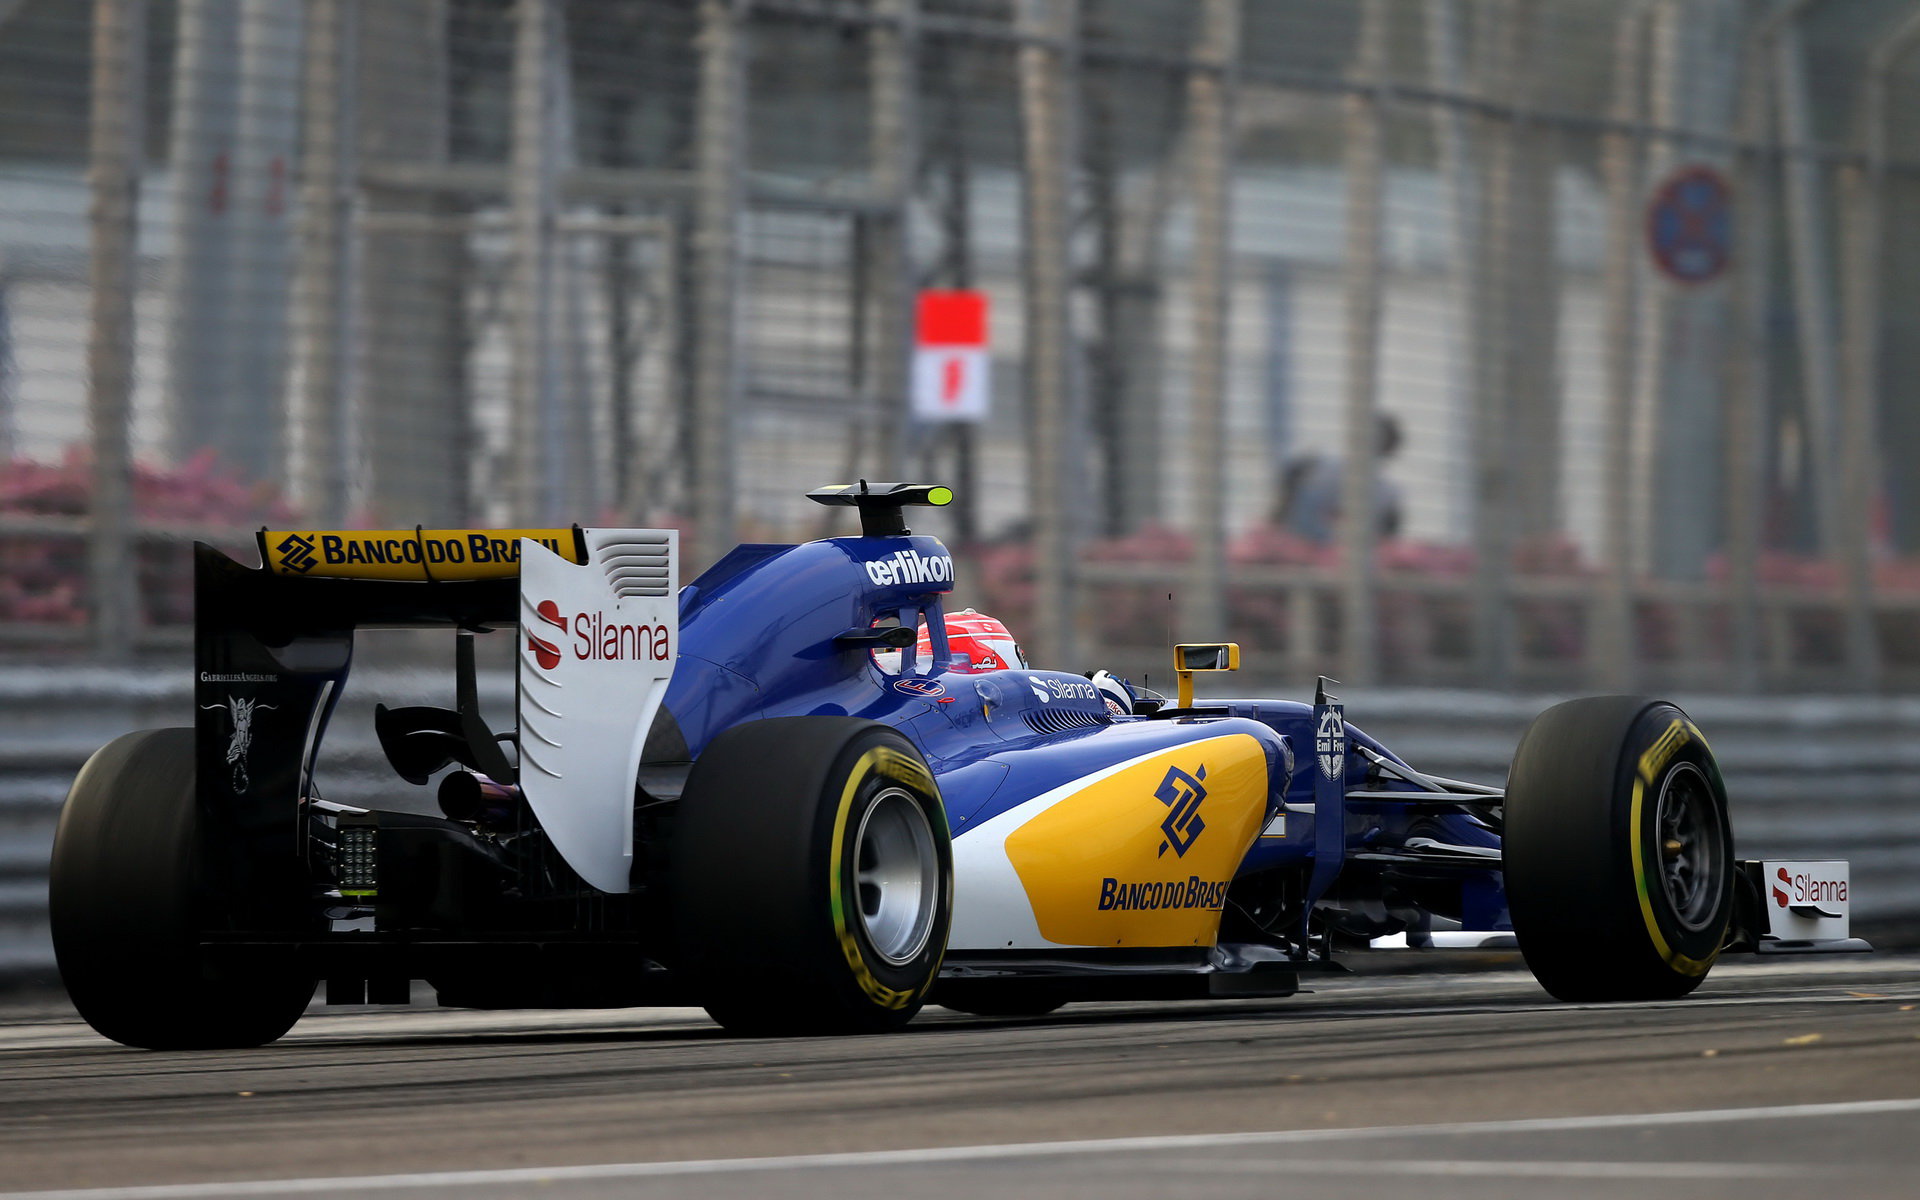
(597, 644)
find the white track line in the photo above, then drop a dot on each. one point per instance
(516, 1176)
(1424, 1168)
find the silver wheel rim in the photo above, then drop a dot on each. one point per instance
(1692, 846)
(896, 876)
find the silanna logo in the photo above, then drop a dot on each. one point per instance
(1804, 893)
(911, 566)
(926, 689)
(297, 553)
(241, 711)
(1047, 688)
(1182, 794)
(595, 638)
(544, 652)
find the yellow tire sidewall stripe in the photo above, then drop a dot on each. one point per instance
(892, 764)
(1651, 764)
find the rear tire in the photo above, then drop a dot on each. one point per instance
(1617, 851)
(811, 878)
(127, 901)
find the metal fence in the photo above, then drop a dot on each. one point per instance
(1629, 277)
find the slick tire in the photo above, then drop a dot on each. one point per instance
(811, 878)
(1618, 853)
(127, 902)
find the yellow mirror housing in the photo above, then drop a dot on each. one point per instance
(1190, 657)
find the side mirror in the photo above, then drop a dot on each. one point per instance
(1207, 656)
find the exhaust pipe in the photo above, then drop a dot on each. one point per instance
(472, 797)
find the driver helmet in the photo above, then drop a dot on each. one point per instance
(1114, 691)
(979, 643)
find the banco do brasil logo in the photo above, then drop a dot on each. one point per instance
(1182, 794)
(297, 553)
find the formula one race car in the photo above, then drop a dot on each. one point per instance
(783, 794)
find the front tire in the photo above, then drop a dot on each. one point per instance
(127, 901)
(1617, 850)
(811, 878)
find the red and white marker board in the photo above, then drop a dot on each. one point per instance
(950, 364)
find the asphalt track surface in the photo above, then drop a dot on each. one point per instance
(1776, 1079)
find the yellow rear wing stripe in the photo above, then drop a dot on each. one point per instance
(417, 555)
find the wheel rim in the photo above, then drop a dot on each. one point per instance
(896, 876)
(1692, 847)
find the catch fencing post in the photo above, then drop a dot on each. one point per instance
(1860, 467)
(1447, 25)
(7, 371)
(200, 316)
(412, 388)
(1612, 657)
(533, 196)
(1210, 93)
(895, 50)
(1747, 370)
(1048, 68)
(1492, 466)
(322, 304)
(266, 139)
(719, 146)
(117, 131)
(1359, 509)
(1812, 272)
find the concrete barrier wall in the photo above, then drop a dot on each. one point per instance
(1824, 777)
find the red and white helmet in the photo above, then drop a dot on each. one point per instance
(979, 643)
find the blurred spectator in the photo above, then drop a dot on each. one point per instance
(1309, 503)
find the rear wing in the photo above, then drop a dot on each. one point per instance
(410, 555)
(598, 618)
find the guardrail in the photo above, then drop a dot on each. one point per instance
(1822, 777)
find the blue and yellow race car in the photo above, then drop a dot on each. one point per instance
(783, 794)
